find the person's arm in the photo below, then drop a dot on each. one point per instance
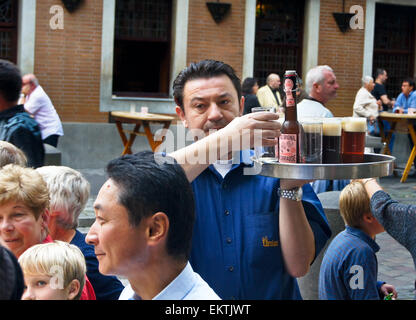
(296, 236)
(399, 220)
(229, 139)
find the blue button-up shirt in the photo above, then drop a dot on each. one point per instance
(349, 268)
(236, 245)
(405, 102)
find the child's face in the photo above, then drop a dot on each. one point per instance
(40, 287)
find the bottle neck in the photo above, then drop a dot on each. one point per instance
(291, 113)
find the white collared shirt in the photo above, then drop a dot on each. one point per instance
(188, 285)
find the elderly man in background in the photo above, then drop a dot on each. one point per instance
(321, 86)
(366, 105)
(38, 104)
(268, 95)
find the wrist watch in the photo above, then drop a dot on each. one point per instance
(292, 194)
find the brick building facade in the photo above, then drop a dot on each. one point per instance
(75, 64)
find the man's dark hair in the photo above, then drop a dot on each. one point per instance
(204, 69)
(248, 84)
(410, 81)
(149, 186)
(379, 71)
(10, 81)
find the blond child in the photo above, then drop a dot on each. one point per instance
(53, 271)
(349, 267)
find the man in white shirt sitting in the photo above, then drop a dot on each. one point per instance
(145, 214)
(39, 105)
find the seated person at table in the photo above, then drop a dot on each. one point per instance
(24, 213)
(53, 271)
(407, 98)
(69, 192)
(349, 266)
(366, 105)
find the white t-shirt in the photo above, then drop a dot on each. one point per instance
(40, 106)
(311, 108)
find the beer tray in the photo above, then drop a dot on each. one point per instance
(374, 165)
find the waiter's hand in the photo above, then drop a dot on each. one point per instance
(287, 184)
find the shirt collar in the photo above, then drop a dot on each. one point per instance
(179, 287)
(363, 236)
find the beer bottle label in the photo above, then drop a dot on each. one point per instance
(288, 144)
(290, 99)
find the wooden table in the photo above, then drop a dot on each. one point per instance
(398, 123)
(139, 119)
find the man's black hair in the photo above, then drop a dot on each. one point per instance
(410, 81)
(379, 71)
(10, 81)
(204, 69)
(247, 86)
(149, 186)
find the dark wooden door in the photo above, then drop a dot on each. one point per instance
(394, 44)
(8, 30)
(279, 37)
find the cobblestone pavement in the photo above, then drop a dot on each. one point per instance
(395, 263)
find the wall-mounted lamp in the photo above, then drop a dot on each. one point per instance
(218, 10)
(72, 5)
(343, 18)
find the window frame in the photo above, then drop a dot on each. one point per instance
(110, 102)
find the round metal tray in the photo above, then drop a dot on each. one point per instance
(374, 165)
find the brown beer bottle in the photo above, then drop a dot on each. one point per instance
(289, 137)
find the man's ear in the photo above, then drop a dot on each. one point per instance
(74, 288)
(242, 105)
(158, 227)
(181, 115)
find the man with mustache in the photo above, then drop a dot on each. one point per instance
(253, 235)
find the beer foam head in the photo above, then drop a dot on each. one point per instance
(356, 125)
(311, 124)
(312, 127)
(332, 127)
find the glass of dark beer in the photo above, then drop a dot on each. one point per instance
(260, 151)
(353, 139)
(332, 128)
(311, 140)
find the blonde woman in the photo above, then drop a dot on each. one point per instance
(24, 212)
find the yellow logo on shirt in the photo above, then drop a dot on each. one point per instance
(269, 243)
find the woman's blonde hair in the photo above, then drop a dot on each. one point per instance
(11, 154)
(354, 203)
(61, 260)
(24, 185)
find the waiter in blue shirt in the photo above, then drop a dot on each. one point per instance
(253, 235)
